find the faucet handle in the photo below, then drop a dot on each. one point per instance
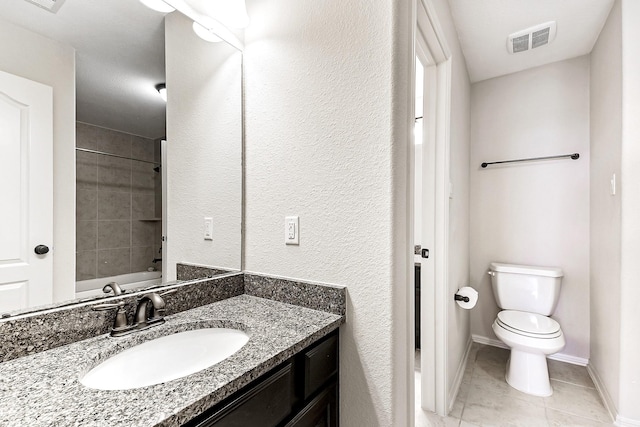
(170, 291)
(121, 322)
(108, 306)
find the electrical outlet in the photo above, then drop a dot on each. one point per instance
(291, 230)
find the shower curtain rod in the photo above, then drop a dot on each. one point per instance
(574, 156)
(86, 150)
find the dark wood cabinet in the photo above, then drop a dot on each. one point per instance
(300, 392)
(322, 411)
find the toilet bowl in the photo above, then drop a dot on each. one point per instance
(531, 337)
(527, 295)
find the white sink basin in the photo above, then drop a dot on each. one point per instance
(165, 359)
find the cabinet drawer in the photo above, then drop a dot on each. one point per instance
(265, 405)
(322, 411)
(320, 364)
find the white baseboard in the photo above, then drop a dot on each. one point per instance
(626, 422)
(604, 394)
(457, 381)
(562, 357)
(488, 341)
(567, 358)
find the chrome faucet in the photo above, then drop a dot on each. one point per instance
(156, 314)
(112, 286)
(141, 321)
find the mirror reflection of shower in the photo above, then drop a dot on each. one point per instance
(118, 209)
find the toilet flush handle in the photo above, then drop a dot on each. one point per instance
(491, 273)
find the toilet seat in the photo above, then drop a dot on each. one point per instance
(527, 366)
(528, 324)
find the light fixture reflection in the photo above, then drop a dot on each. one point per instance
(238, 17)
(205, 34)
(162, 90)
(231, 13)
(157, 5)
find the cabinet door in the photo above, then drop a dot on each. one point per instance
(321, 411)
(320, 364)
(264, 405)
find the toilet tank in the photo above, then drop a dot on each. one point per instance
(526, 288)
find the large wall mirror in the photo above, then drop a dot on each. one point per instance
(137, 184)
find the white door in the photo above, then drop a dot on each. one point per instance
(26, 193)
(163, 170)
(435, 297)
(425, 218)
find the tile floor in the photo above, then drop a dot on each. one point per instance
(485, 399)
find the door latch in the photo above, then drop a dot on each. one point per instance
(425, 253)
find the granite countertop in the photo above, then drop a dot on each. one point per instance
(43, 389)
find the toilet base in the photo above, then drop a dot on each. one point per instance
(528, 373)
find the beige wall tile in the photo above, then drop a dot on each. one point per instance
(114, 205)
(142, 148)
(114, 174)
(141, 258)
(86, 235)
(86, 265)
(112, 262)
(114, 142)
(86, 204)
(114, 234)
(143, 205)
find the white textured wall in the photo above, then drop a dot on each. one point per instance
(43, 60)
(630, 228)
(605, 211)
(204, 143)
(320, 103)
(533, 213)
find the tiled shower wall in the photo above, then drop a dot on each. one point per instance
(118, 230)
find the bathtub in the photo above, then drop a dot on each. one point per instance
(93, 287)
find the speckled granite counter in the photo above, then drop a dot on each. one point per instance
(43, 389)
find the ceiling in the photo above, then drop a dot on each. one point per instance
(483, 27)
(119, 58)
(120, 48)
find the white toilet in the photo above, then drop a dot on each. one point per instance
(527, 295)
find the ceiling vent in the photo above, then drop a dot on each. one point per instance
(50, 5)
(531, 37)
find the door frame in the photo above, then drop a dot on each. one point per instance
(163, 216)
(430, 40)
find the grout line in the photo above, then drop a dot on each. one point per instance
(572, 414)
(570, 383)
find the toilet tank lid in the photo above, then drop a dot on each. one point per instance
(526, 269)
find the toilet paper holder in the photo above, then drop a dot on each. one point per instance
(458, 297)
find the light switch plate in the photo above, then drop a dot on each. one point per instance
(208, 228)
(291, 230)
(613, 185)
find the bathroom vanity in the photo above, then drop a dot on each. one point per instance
(302, 391)
(286, 374)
